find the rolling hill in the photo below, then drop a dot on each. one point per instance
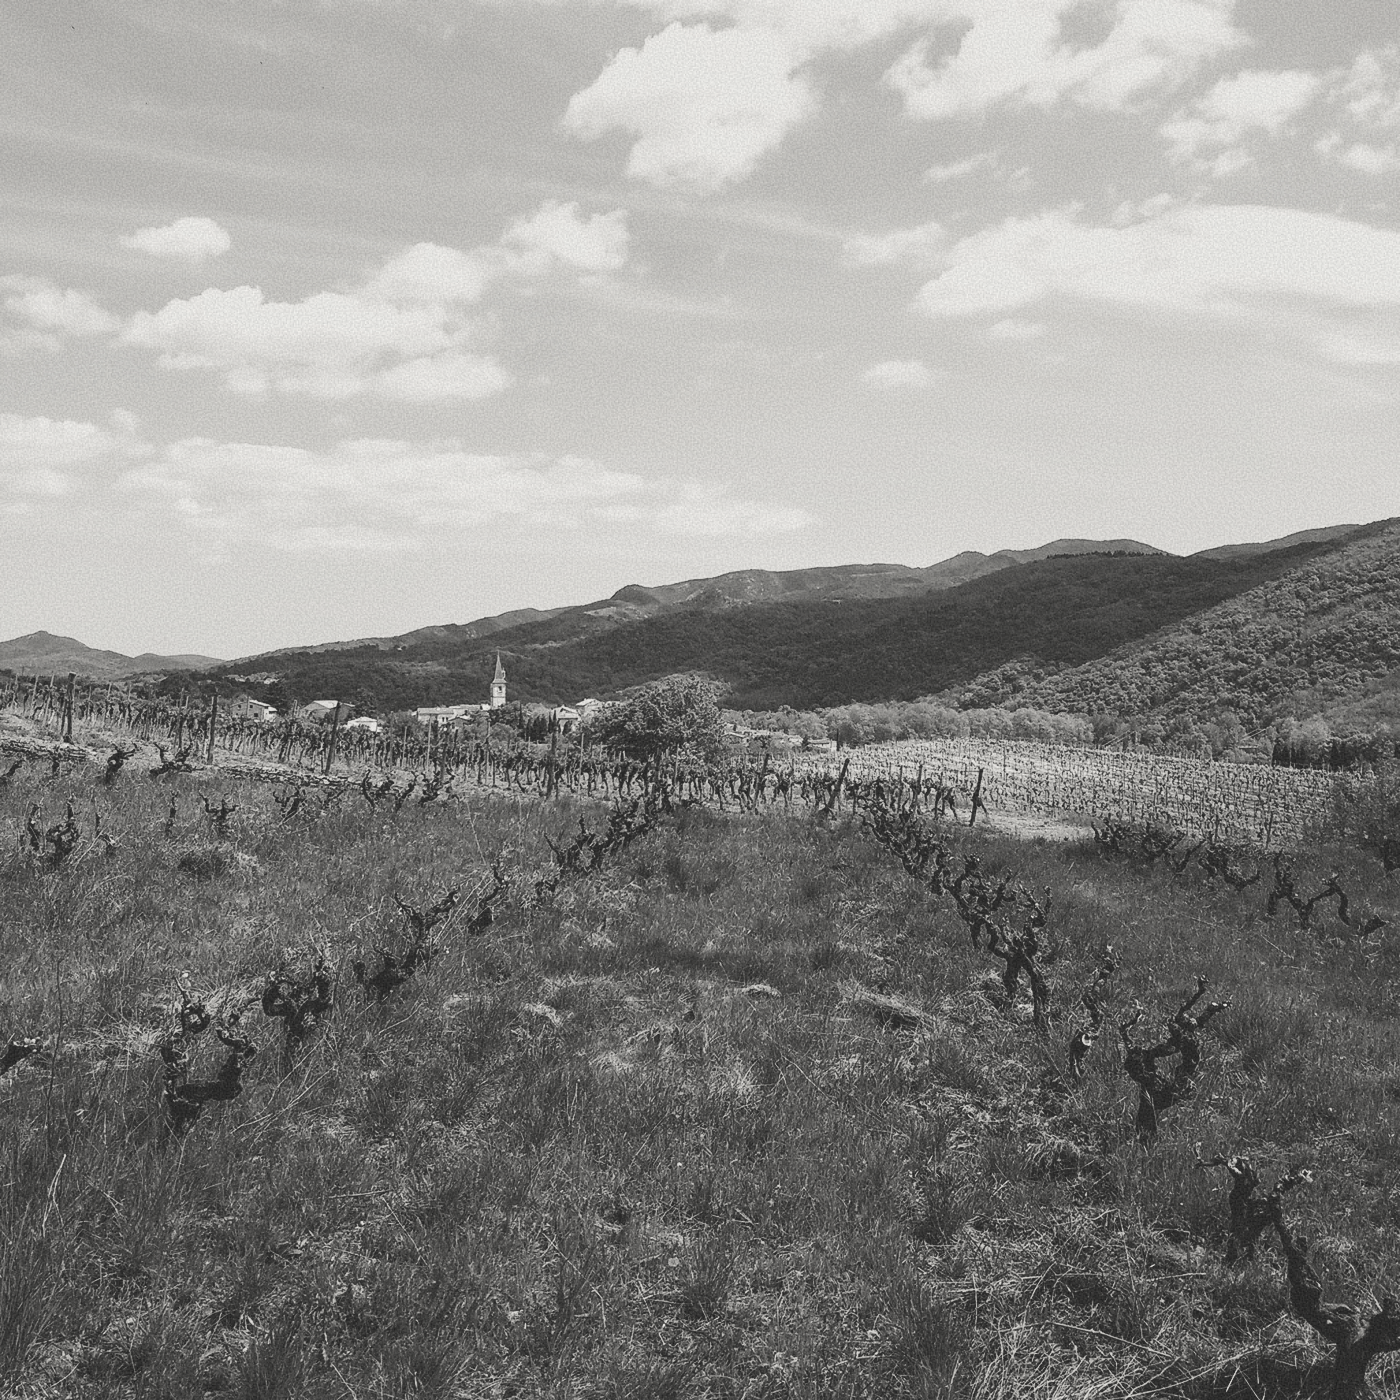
(43, 653)
(1322, 637)
(1004, 627)
(742, 588)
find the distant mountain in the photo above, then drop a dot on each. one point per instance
(823, 641)
(1323, 637)
(42, 653)
(1236, 551)
(743, 588)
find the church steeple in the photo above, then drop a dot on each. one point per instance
(498, 685)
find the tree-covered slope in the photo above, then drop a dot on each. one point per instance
(1063, 611)
(1320, 637)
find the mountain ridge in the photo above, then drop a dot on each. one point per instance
(1020, 624)
(47, 651)
(1323, 636)
(742, 587)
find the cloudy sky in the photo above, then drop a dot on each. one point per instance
(332, 318)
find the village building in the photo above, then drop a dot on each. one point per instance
(448, 714)
(325, 711)
(443, 715)
(245, 707)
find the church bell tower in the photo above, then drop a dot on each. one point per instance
(498, 685)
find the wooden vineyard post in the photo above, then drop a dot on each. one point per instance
(213, 724)
(34, 696)
(335, 734)
(976, 798)
(68, 712)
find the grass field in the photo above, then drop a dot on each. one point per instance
(742, 1113)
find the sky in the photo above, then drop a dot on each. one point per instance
(324, 319)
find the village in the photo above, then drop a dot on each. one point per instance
(562, 718)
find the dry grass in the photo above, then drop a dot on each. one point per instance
(734, 1117)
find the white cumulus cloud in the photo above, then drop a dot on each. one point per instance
(959, 169)
(429, 273)
(326, 345)
(1314, 272)
(191, 239)
(1014, 50)
(921, 244)
(1236, 107)
(454, 374)
(704, 104)
(1369, 159)
(557, 233)
(705, 100)
(1366, 107)
(38, 455)
(38, 315)
(1371, 90)
(410, 331)
(378, 494)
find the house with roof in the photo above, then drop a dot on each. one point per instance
(245, 707)
(326, 711)
(442, 715)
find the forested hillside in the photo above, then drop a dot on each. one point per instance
(1062, 611)
(1324, 637)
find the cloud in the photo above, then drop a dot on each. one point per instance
(1371, 90)
(557, 233)
(704, 104)
(428, 273)
(408, 332)
(707, 511)
(899, 374)
(1366, 101)
(1237, 106)
(189, 239)
(1369, 159)
(41, 315)
(454, 374)
(37, 455)
(381, 494)
(1313, 272)
(922, 244)
(1015, 50)
(327, 345)
(959, 169)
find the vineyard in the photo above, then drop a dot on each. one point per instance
(1239, 802)
(534, 1071)
(1270, 807)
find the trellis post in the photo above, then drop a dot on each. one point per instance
(335, 734)
(213, 724)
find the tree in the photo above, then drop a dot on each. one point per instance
(678, 715)
(280, 697)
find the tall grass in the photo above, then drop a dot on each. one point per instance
(650, 1134)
